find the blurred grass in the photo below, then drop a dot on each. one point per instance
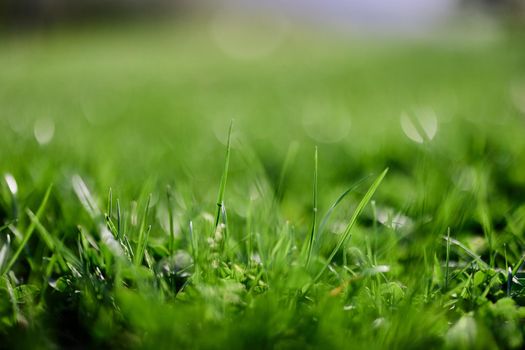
(137, 108)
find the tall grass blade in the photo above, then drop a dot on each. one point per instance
(288, 160)
(509, 281)
(339, 199)
(143, 235)
(344, 236)
(222, 187)
(314, 214)
(109, 209)
(447, 259)
(171, 241)
(85, 197)
(119, 220)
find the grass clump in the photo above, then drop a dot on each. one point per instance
(410, 235)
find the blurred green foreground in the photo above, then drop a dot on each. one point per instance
(112, 149)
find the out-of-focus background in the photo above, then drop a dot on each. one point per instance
(122, 91)
(113, 100)
(375, 15)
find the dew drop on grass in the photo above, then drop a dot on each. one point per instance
(44, 130)
(420, 126)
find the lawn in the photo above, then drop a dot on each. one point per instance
(161, 190)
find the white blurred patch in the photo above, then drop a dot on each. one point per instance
(326, 123)
(393, 220)
(420, 126)
(109, 240)
(466, 179)
(380, 269)
(517, 95)
(11, 183)
(378, 322)
(208, 217)
(221, 126)
(44, 130)
(248, 36)
(85, 197)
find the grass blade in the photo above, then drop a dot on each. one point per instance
(44, 234)
(473, 255)
(364, 201)
(288, 160)
(143, 235)
(5, 226)
(339, 199)
(314, 217)
(109, 209)
(119, 220)
(29, 231)
(3, 252)
(447, 259)
(171, 241)
(222, 187)
(85, 197)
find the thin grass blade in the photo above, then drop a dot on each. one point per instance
(222, 187)
(346, 234)
(29, 231)
(314, 214)
(85, 197)
(143, 235)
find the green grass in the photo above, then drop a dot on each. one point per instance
(149, 221)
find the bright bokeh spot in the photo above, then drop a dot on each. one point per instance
(11, 183)
(326, 123)
(420, 126)
(44, 130)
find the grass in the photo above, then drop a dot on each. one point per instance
(112, 233)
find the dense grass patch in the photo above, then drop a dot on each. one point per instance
(132, 216)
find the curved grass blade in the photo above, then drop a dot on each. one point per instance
(473, 255)
(346, 234)
(329, 212)
(29, 231)
(222, 187)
